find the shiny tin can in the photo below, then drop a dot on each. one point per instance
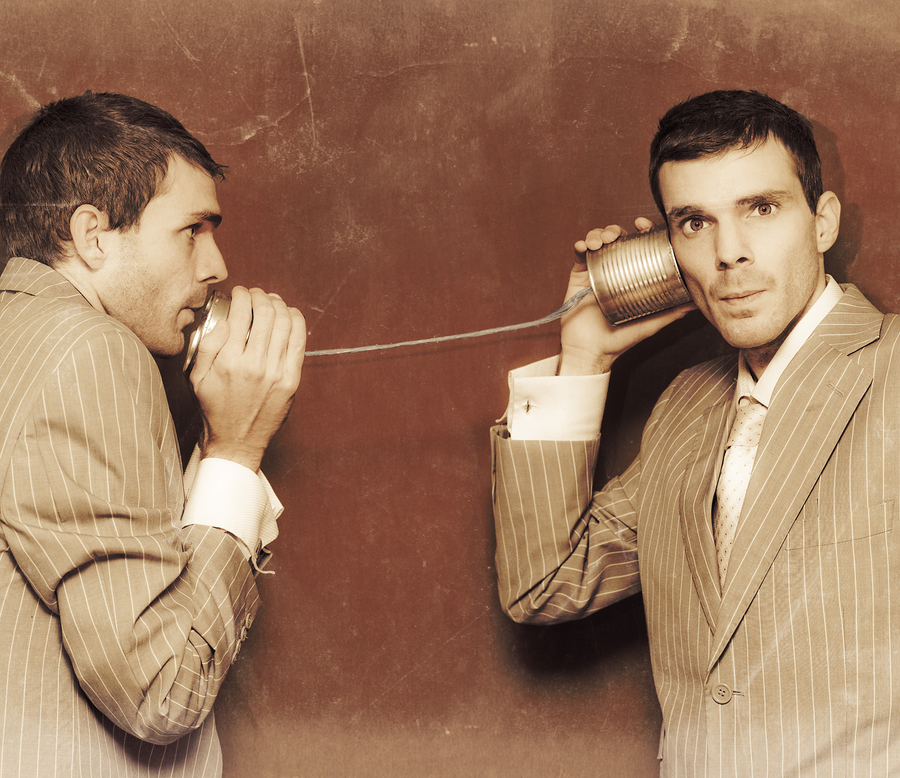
(214, 310)
(636, 276)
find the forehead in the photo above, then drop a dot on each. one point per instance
(185, 192)
(728, 178)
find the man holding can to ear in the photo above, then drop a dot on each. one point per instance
(756, 520)
(127, 586)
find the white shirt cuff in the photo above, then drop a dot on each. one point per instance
(221, 493)
(545, 406)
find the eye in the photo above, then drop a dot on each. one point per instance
(692, 225)
(765, 209)
(193, 229)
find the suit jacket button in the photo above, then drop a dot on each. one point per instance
(721, 694)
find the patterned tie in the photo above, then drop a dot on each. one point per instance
(740, 452)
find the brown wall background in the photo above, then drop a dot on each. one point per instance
(408, 168)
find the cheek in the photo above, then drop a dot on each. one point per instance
(691, 271)
(700, 298)
(698, 288)
(691, 255)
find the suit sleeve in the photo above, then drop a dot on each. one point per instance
(151, 615)
(563, 551)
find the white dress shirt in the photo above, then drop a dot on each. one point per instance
(221, 493)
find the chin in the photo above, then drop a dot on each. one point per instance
(169, 348)
(743, 337)
(743, 331)
(750, 340)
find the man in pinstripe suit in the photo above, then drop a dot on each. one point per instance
(772, 651)
(126, 586)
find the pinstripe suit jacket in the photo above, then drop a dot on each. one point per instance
(791, 668)
(117, 626)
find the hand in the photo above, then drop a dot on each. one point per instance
(590, 344)
(246, 374)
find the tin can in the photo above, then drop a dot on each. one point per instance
(213, 311)
(636, 276)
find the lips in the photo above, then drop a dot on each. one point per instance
(193, 315)
(735, 298)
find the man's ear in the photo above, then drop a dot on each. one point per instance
(88, 227)
(828, 221)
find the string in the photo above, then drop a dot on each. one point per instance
(567, 306)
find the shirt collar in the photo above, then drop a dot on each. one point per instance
(761, 390)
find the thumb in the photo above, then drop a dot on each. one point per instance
(208, 349)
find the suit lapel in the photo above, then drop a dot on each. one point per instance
(809, 411)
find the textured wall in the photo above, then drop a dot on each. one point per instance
(421, 167)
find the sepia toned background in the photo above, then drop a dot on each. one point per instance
(400, 169)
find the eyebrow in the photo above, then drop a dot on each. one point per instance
(212, 217)
(778, 195)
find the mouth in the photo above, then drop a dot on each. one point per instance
(197, 306)
(741, 298)
(191, 320)
(195, 309)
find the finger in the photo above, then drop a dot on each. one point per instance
(281, 331)
(207, 350)
(643, 224)
(598, 238)
(240, 316)
(296, 348)
(298, 331)
(579, 275)
(262, 322)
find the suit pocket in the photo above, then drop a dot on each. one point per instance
(816, 527)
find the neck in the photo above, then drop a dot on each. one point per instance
(74, 274)
(758, 358)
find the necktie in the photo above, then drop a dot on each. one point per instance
(740, 452)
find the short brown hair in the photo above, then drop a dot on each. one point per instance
(718, 121)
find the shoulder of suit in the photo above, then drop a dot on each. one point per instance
(890, 327)
(720, 370)
(62, 323)
(41, 331)
(855, 323)
(49, 340)
(44, 305)
(696, 389)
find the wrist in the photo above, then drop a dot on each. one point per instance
(576, 362)
(248, 456)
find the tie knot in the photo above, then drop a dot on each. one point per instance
(748, 424)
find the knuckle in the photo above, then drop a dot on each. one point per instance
(265, 313)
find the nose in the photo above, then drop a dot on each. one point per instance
(732, 246)
(211, 264)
